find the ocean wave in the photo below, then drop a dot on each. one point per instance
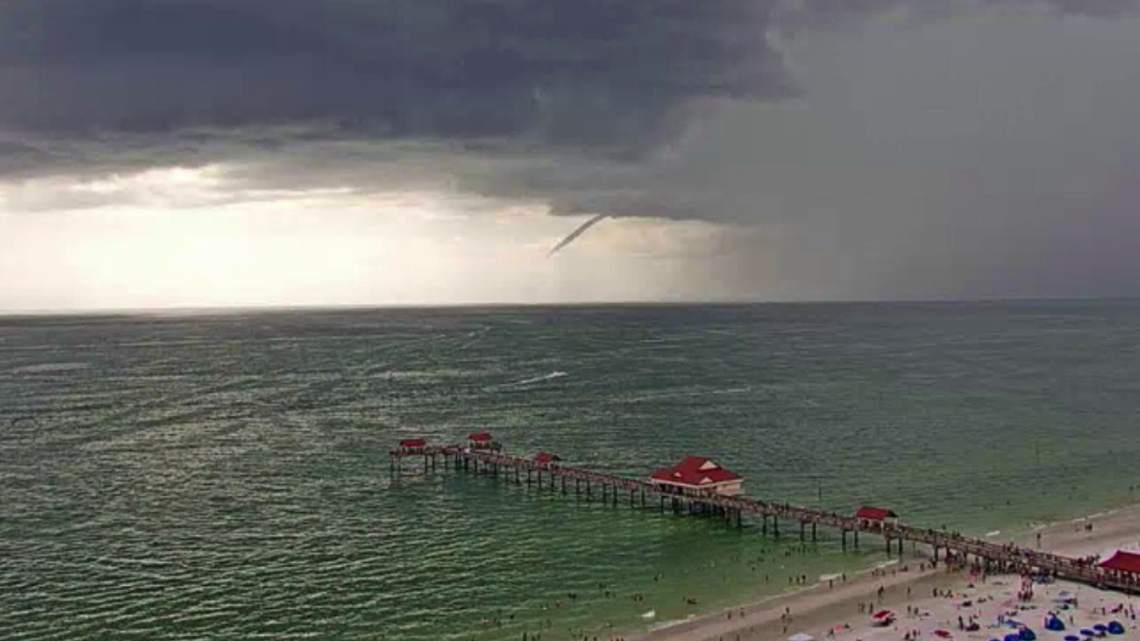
(527, 381)
(49, 368)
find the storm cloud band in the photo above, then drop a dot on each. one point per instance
(596, 75)
(587, 73)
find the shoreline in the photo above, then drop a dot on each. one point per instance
(817, 608)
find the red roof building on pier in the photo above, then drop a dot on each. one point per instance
(1122, 562)
(697, 475)
(480, 441)
(869, 513)
(546, 458)
(413, 445)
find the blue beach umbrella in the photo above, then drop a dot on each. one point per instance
(1115, 627)
(1027, 635)
(1087, 632)
(1072, 637)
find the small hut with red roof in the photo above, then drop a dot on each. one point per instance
(1123, 563)
(697, 475)
(481, 441)
(412, 446)
(880, 515)
(546, 458)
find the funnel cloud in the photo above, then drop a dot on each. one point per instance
(576, 233)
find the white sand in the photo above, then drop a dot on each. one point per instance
(819, 609)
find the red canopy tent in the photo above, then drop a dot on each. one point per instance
(883, 618)
(413, 443)
(1122, 562)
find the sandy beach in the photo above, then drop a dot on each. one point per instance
(842, 610)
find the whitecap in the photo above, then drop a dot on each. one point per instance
(48, 368)
(530, 381)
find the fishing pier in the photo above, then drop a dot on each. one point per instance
(483, 455)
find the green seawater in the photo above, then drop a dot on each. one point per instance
(225, 476)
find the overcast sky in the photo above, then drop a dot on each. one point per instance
(160, 153)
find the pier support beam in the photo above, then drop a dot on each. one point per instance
(844, 537)
(813, 532)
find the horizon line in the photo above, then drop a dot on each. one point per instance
(191, 310)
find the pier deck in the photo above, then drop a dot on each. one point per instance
(1002, 557)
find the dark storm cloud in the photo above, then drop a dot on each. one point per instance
(594, 74)
(607, 78)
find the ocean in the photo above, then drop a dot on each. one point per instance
(226, 475)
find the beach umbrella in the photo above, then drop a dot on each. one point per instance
(1027, 635)
(1115, 627)
(1087, 632)
(883, 615)
(1072, 637)
(801, 637)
